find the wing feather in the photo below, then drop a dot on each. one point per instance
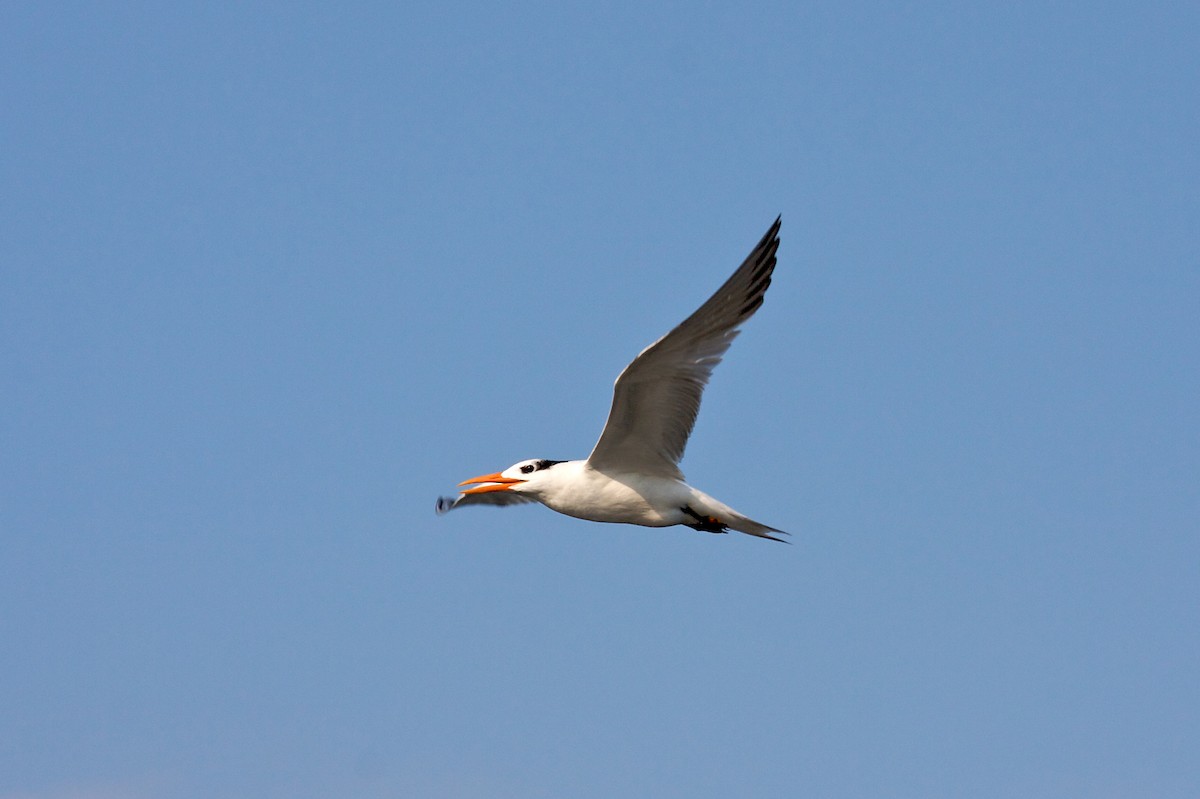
(657, 396)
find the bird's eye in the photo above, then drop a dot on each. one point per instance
(527, 468)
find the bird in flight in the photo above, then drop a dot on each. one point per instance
(632, 475)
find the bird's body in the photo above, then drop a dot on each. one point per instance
(576, 489)
(632, 475)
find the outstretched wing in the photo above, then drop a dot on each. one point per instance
(657, 396)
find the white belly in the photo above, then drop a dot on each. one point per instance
(626, 499)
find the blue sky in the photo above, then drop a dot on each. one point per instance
(272, 280)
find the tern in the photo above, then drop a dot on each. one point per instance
(632, 475)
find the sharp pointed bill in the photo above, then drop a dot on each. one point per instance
(632, 475)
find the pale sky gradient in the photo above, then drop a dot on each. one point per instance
(273, 280)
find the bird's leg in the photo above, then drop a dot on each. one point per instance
(707, 524)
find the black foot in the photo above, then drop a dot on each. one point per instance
(705, 524)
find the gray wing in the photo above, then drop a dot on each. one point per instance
(447, 504)
(656, 398)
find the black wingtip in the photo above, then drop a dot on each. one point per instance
(443, 504)
(764, 252)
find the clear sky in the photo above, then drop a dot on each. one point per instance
(273, 280)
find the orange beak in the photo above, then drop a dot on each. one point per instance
(494, 482)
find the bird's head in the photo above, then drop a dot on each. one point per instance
(522, 477)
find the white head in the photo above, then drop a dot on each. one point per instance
(522, 477)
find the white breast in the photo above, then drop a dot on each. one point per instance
(578, 490)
